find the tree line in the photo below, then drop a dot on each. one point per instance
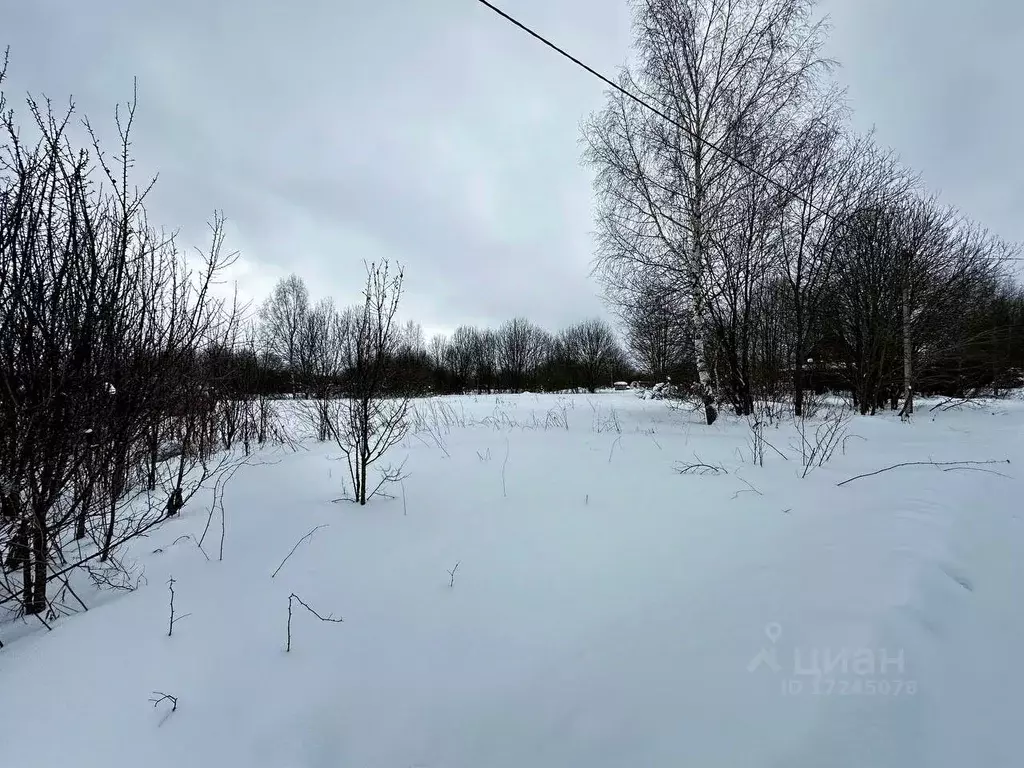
(293, 339)
(748, 235)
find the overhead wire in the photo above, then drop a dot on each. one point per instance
(660, 112)
(656, 110)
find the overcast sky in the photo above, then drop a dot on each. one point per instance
(434, 133)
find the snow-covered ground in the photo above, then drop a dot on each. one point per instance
(605, 610)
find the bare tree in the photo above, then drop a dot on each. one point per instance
(657, 330)
(592, 349)
(740, 265)
(461, 354)
(520, 350)
(438, 350)
(323, 346)
(720, 71)
(825, 174)
(943, 261)
(282, 321)
(369, 422)
(485, 360)
(102, 326)
(411, 340)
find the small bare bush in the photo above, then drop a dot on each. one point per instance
(817, 448)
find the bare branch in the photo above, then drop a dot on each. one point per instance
(292, 552)
(957, 464)
(293, 597)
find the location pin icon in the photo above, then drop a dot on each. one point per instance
(773, 631)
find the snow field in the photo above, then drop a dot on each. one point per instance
(605, 609)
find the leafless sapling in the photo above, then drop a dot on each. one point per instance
(370, 420)
(816, 450)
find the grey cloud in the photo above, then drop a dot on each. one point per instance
(940, 81)
(436, 134)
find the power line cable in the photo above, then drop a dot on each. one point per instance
(659, 112)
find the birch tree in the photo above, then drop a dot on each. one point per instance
(717, 71)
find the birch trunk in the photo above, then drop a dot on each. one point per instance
(703, 374)
(908, 364)
(704, 383)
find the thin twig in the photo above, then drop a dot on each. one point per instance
(769, 444)
(43, 622)
(504, 490)
(67, 585)
(173, 619)
(612, 451)
(922, 464)
(749, 489)
(223, 525)
(158, 698)
(300, 601)
(170, 623)
(185, 537)
(304, 538)
(699, 468)
(848, 437)
(978, 469)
